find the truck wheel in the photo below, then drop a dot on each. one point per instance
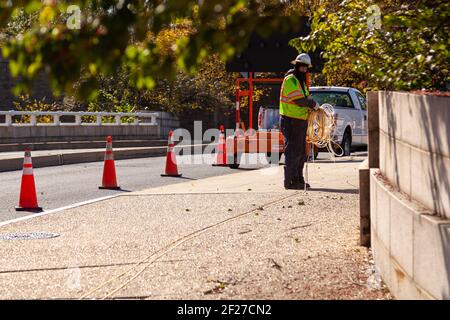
(269, 157)
(316, 153)
(347, 143)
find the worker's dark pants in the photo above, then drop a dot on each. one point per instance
(294, 132)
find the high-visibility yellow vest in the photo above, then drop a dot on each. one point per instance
(292, 90)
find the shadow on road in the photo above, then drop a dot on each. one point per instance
(246, 169)
(186, 178)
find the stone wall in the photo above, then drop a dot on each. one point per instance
(40, 91)
(415, 147)
(6, 97)
(410, 195)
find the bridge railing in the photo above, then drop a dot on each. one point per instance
(136, 117)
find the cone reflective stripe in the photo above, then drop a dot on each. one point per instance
(171, 161)
(28, 199)
(109, 180)
(27, 171)
(221, 159)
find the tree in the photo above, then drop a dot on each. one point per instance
(208, 90)
(390, 46)
(121, 33)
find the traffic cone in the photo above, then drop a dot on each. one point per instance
(171, 161)
(221, 159)
(28, 200)
(109, 180)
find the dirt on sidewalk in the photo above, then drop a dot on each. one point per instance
(246, 239)
(304, 247)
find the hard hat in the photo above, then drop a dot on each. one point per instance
(303, 58)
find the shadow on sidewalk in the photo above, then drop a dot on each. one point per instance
(351, 191)
(337, 161)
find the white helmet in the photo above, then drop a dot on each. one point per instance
(303, 58)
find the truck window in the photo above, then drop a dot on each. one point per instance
(336, 99)
(362, 100)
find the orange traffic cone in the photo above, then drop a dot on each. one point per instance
(221, 159)
(28, 200)
(171, 161)
(109, 169)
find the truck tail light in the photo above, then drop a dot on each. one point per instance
(260, 115)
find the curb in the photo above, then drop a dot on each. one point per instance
(42, 146)
(90, 156)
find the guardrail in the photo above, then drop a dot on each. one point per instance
(56, 115)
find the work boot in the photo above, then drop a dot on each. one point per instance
(288, 184)
(287, 179)
(300, 183)
(294, 186)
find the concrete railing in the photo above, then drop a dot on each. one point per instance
(78, 116)
(61, 126)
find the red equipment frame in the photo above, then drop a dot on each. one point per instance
(254, 140)
(249, 93)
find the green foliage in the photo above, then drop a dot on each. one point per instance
(112, 101)
(25, 103)
(122, 34)
(410, 50)
(19, 23)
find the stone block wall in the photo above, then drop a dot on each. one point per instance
(410, 195)
(41, 88)
(415, 147)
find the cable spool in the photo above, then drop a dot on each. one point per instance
(320, 129)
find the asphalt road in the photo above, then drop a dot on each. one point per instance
(69, 184)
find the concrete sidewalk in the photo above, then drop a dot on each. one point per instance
(239, 236)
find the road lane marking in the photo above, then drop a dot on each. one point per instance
(75, 205)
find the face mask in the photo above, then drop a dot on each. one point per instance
(301, 76)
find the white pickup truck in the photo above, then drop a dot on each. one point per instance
(350, 115)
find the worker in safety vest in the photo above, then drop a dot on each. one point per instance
(295, 104)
